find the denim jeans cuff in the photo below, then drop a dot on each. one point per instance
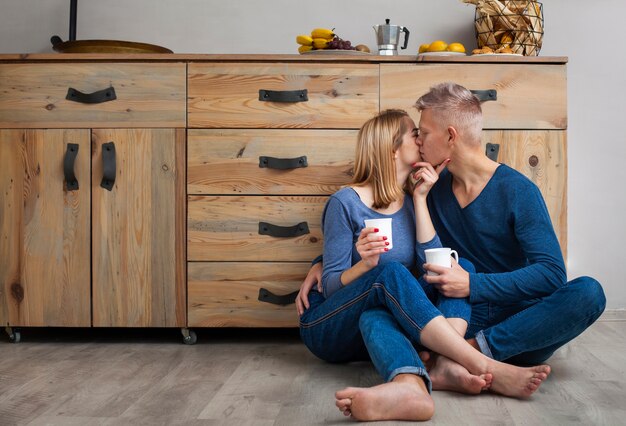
(418, 371)
(482, 344)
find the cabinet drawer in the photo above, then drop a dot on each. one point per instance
(227, 95)
(226, 294)
(232, 161)
(542, 157)
(146, 95)
(228, 228)
(528, 96)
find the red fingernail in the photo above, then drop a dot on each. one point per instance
(375, 229)
(386, 249)
(384, 238)
(386, 243)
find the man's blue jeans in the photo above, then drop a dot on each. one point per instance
(528, 333)
(380, 317)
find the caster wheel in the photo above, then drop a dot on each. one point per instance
(189, 337)
(14, 335)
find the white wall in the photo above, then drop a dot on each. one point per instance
(589, 33)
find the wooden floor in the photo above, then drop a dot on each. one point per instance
(266, 377)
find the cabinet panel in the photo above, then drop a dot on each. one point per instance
(148, 95)
(227, 95)
(226, 294)
(228, 161)
(542, 157)
(138, 260)
(528, 96)
(227, 228)
(44, 229)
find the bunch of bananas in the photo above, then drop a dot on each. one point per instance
(320, 38)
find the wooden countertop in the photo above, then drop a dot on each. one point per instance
(181, 57)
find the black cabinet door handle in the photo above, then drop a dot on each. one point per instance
(68, 166)
(108, 166)
(283, 95)
(283, 231)
(492, 151)
(268, 297)
(98, 97)
(282, 163)
(486, 95)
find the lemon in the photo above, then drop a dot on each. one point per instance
(437, 46)
(423, 48)
(456, 47)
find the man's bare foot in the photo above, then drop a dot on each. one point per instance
(451, 376)
(517, 382)
(404, 398)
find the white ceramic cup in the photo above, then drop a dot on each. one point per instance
(384, 228)
(441, 257)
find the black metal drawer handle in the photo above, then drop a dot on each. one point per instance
(283, 231)
(486, 95)
(268, 297)
(98, 97)
(282, 163)
(283, 95)
(68, 166)
(492, 151)
(108, 166)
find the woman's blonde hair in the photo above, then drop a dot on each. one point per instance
(374, 163)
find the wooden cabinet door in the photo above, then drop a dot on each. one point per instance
(138, 229)
(44, 229)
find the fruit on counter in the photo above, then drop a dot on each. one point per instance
(323, 38)
(323, 33)
(304, 40)
(442, 46)
(456, 47)
(320, 43)
(437, 46)
(423, 48)
(340, 44)
(362, 48)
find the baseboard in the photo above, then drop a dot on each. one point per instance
(613, 315)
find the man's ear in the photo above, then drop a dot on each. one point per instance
(453, 135)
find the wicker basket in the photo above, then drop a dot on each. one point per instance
(516, 23)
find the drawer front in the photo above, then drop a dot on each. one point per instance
(228, 228)
(147, 95)
(226, 294)
(236, 161)
(227, 95)
(542, 157)
(528, 96)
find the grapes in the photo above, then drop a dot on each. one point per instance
(338, 43)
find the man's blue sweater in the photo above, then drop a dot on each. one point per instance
(506, 233)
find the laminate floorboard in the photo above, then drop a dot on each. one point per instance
(266, 377)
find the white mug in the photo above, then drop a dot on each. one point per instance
(441, 257)
(384, 228)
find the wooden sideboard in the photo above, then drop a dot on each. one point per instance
(222, 165)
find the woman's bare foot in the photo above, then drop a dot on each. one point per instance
(446, 374)
(517, 382)
(404, 398)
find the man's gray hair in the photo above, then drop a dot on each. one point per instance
(455, 106)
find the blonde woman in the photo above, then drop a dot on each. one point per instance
(372, 306)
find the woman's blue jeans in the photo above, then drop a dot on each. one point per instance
(380, 317)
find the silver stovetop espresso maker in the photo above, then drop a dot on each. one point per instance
(388, 38)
